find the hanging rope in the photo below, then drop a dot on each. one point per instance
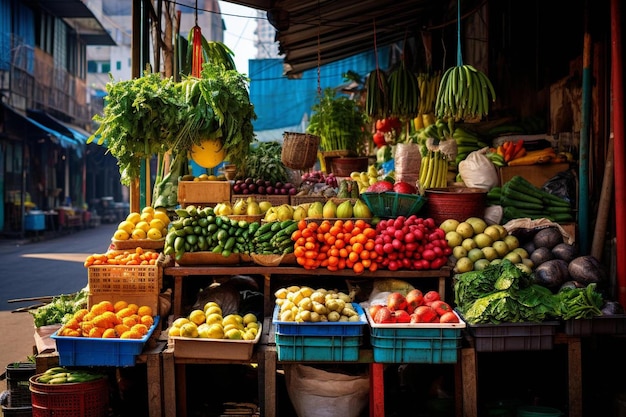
(319, 51)
(459, 57)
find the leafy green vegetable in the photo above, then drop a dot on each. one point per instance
(60, 309)
(580, 303)
(339, 122)
(264, 161)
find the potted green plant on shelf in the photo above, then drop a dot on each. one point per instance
(341, 125)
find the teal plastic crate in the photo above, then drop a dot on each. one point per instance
(318, 348)
(431, 343)
(85, 351)
(326, 328)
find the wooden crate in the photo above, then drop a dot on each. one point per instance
(203, 192)
(537, 174)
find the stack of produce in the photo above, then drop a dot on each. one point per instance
(62, 375)
(274, 238)
(466, 142)
(414, 307)
(304, 304)
(504, 293)
(150, 223)
(210, 323)
(263, 187)
(110, 320)
(60, 309)
(521, 199)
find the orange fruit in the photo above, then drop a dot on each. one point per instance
(121, 328)
(96, 332)
(134, 217)
(79, 314)
(133, 307)
(126, 335)
(144, 311)
(147, 321)
(140, 328)
(120, 305)
(125, 312)
(109, 334)
(72, 323)
(129, 321)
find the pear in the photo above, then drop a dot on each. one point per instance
(299, 213)
(361, 210)
(284, 213)
(315, 210)
(253, 208)
(329, 210)
(265, 205)
(344, 210)
(240, 207)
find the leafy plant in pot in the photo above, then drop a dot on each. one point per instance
(340, 123)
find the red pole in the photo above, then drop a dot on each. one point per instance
(617, 89)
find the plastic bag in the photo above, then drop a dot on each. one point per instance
(321, 393)
(408, 161)
(477, 171)
(562, 185)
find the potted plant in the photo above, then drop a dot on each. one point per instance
(342, 127)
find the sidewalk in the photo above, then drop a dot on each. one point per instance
(17, 341)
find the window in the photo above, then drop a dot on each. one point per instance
(118, 65)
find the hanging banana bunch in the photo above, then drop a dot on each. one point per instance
(377, 94)
(428, 86)
(464, 94)
(404, 92)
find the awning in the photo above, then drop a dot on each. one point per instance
(16, 120)
(78, 139)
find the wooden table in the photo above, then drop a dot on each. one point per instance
(265, 356)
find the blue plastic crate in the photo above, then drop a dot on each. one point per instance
(318, 348)
(326, 328)
(418, 349)
(85, 351)
(35, 220)
(415, 342)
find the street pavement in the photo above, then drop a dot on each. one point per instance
(52, 265)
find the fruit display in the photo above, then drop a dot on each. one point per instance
(330, 209)
(110, 320)
(335, 245)
(319, 177)
(150, 224)
(411, 243)
(242, 207)
(62, 375)
(414, 307)
(263, 187)
(138, 256)
(209, 323)
(274, 238)
(364, 179)
(475, 245)
(203, 177)
(305, 304)
(464, 94)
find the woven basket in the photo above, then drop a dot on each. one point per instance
(299, 150)
(455, 203)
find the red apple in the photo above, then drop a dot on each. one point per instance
(426, 314)
(449, 317)
(380, 187)
(373, 309)
(404, 187)
(441, 307)
(396, 301)
(414, 299)
(431, 296)
(384, 315)
(401, 316)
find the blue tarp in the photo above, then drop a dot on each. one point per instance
(280, 102)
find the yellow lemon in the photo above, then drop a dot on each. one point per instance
(133, 217)
(148, 209)
(161, 215)
(126, 226)
(157, 224)
(138, 234)
(143, 225)
(146, 217)
(189, 330)
(121, 234)
(180, 321)
(197, 317)
(174, 331)
(154, 234)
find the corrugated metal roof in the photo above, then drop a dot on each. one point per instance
(341, 28)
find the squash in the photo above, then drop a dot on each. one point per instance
(548, 237)
(586, 269)
(564, 251)
(552, 274)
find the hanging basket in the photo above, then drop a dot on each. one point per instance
(299, 150)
